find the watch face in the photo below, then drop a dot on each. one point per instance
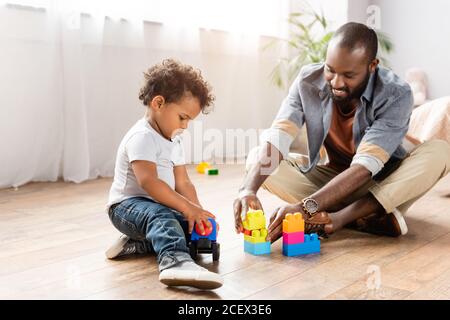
(311, 205)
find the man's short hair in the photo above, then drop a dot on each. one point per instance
(353, 35)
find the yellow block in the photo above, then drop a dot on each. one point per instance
(257, 236)
(203, 166)
(254, 220)
(293, 222)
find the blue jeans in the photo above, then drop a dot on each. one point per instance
(161, 228)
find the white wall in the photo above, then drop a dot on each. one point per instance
(420, 31)
(357, 10)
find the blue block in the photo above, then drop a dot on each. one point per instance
(311, 245)
(257, 248)
(212, 236)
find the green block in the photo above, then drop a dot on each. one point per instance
(213, 172)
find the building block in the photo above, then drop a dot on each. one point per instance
(293, 223)
(311, 244)
(312, 237)
(254, 220)
(212, 172)
(293, 237)
(257, 236)
(210, 234)
(257, 248)
(255, 233)
(203, 166)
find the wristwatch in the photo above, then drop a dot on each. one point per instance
(310, 206)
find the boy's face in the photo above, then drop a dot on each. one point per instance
(172, 118)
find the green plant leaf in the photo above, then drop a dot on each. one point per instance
(385, 42)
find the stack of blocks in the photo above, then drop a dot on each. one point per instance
(295, 241)
(255, 233)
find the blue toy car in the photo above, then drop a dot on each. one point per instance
(206, 243)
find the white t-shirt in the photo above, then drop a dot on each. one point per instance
(142, 142)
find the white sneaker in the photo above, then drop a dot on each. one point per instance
(188, 273)
(120, 247)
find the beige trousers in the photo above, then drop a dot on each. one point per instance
(425, 165)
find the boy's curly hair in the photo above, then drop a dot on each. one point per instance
(172, 79)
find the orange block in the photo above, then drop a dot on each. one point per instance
(293, 223)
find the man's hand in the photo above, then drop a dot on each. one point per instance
(195, 214)
(275, 228)
(246, 200)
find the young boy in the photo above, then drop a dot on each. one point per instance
(152, 200)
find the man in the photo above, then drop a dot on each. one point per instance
(359, 112)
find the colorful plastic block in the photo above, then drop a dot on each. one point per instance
(293, 237)
(256, 236)
(311, 244)
(203, 166)
(257, 248)
(254, 220)
(212, 172)
(293, 223)
(212, 235)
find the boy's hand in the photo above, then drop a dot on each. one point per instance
(197, 215)
(246, 200)
(275, 228)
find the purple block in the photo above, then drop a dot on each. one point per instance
(293, 237)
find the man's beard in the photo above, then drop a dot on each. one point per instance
(355, 94)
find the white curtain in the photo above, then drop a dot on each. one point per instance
(69, 82)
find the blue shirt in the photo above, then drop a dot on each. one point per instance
(380, 124)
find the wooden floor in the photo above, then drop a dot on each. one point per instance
(53, 237)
